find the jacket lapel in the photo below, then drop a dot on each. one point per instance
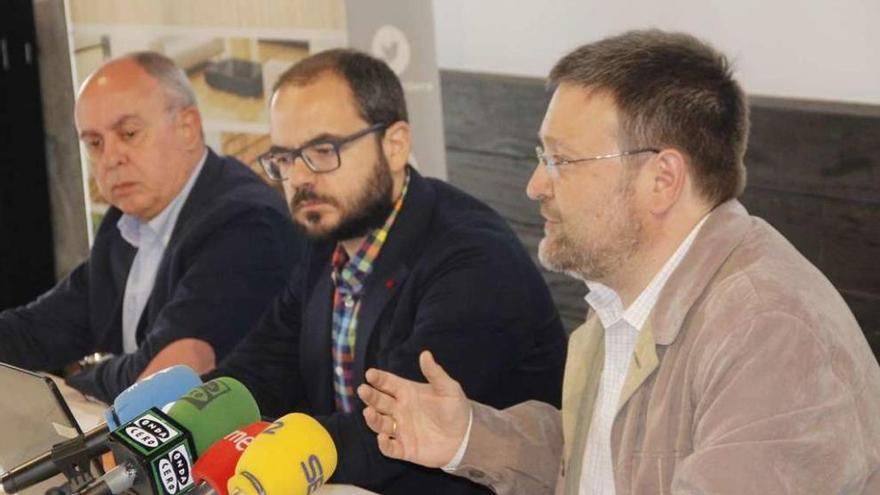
(723, 231)
(201, 192)
(643, 363)
(580, 387)
(315, 343)
(109, 293)
(401, 249)
(380, 290)
(583, 368)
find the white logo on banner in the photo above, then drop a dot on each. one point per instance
(391, 45)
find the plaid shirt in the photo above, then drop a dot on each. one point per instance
(349, 278)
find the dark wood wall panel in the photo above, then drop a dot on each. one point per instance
(494, 114)
(814, 174)
(818, 151)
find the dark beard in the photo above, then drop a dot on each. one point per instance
(368, 212)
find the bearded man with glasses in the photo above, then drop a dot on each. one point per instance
(715, 360)
(397, 264)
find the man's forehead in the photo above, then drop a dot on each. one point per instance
(575, 112)
(95, 111)
(301, 113)
(119, 88)
(118, 75)
(326, 93)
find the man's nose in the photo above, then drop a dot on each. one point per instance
(540, 184)
(112, 155)
(299, 174)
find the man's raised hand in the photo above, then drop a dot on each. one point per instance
(423, 423)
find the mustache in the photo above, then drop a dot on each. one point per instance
(304, 194)
(548, 211)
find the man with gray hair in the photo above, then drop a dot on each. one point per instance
(186, 259)
(716, 359)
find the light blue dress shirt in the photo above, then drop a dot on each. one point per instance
(150, 239)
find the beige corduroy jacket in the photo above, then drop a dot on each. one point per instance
(751, 376)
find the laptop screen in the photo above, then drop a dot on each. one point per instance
(33, 416)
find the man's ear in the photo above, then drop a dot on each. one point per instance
(189, 121)
(667, 172)
(397, 144)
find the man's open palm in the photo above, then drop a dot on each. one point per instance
(423, 423)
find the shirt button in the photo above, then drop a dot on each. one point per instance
(349, 302)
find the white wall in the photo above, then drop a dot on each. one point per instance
(812, 49)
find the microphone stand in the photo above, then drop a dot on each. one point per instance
(72, 458)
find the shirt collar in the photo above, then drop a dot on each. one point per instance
(351, 273)
(162, 225)
(607, 304)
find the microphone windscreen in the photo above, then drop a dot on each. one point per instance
(217, 464)
(213, 409)
(156, 390)
(295, 455)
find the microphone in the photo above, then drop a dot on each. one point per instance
(295, 455)
(214, 468)
(156, 390)
(214, 409)
(156, 450)
(167, 385)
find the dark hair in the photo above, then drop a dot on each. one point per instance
(377, 90)
(671, 90)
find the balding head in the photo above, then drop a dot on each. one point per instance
(138, 122)
(170, 78)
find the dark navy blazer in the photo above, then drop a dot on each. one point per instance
(230, 253)
(451, 278)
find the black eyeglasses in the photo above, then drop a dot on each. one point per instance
(320, 156)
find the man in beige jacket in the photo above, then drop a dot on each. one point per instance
(716, 359)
